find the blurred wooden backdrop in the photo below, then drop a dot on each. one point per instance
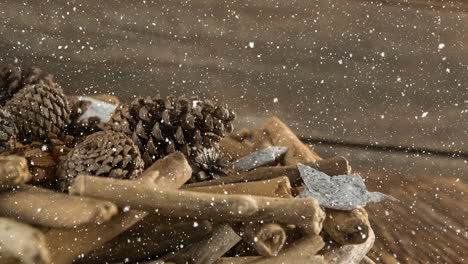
(383, 82)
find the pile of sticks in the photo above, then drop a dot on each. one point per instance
(246, 217)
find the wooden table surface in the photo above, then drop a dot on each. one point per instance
(371, 79)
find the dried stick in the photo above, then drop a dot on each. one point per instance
(343, 227)
(169, 172)
(352, 254)
(235, 149)
(238, 260)
(366, 260)
(267, 239)
(210, 249)
(275, 133)
(154, 262)
(260, 260)
(13, 171)
(302, 251)
(303, 212)
(332, 166)
(66, 245)
(277, 187)
(347, 227)
(20, 243)
(138, 245)
(43, 207)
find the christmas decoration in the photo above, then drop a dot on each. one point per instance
(39, 110)
(161, 126)
(13, 79)
(104, 153)
(117, 212)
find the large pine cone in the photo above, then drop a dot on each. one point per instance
(39, 110)
(7, 129)
(13, 79)
(104, 153)
(161, 126)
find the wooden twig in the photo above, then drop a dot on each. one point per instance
(333, 166)
(20, 243)
(43, 207)
(351, 254)
(347, 227)
(13, 171)
(234, 148)
(68, 244)
(169, 172)
(275, 133)
(238, 260)
(366, 260)
(154, 262)
(210, 249)
(277, 187)
(261, 260)
(303, 212)
(266, 239)
(300, 252)
(140, 245)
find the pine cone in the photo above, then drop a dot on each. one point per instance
(7, 129)
(13, 79)
(104, 153)
(208, 164)
(43, 158)
(161, 126)
(39, 110)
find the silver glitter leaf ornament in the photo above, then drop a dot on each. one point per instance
(342, 192)
(260, 158)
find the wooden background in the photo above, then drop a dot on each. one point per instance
(383, 82)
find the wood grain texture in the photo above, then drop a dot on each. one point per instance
(352, 71)
(443, 5)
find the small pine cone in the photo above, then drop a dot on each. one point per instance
(13, 79)
(104, 153)
(39, 110)
(7, 129)
(161, 126)
(208, 164)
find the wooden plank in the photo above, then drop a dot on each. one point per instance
(449, 6)
(428, 224)
(341, 70)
